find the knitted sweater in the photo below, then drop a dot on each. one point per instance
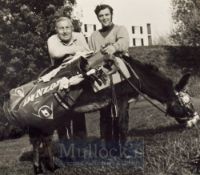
(118, 36)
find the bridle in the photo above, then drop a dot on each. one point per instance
(183, 97)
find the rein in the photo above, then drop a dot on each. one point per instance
(137, 90)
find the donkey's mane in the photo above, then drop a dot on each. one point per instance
(147, 67)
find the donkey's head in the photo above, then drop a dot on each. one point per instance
(156, 85)
(181, 106)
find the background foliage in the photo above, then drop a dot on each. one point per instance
(186, 16)
(173, 61)
(25, 26)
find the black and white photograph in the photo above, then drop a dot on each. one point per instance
(99, 87)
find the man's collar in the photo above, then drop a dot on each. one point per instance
(107, 28)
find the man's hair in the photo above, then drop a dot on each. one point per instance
(62, 18)
(102, 7)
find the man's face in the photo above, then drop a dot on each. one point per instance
(64, 30)
(105, 17)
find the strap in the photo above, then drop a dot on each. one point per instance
(137, 90)
(114, 105)
(60, 100)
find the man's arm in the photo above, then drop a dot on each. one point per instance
(91, 42)
(83, 42)
(121, 44)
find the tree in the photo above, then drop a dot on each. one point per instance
(186, 16)
(25, 26)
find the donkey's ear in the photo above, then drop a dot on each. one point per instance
(182, 82)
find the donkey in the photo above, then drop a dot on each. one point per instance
(149, 81)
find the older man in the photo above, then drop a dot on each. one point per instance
(66, 42)
(61, 46)
(111, 40)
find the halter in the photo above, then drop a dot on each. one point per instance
(184, 98)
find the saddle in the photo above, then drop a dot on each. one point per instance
(105, 69)
(58, 90)
(109, 74)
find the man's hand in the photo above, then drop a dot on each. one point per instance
(110, 50)
(75, 80)
(65, 83)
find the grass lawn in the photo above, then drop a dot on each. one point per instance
(168, 148)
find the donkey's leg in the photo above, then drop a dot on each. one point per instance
(35, 141)
(106, 123)
(62, 131)
(116, 130)
(123, 119)
(36, 157)
(79, 125)
(64, 126)
(48, 153)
